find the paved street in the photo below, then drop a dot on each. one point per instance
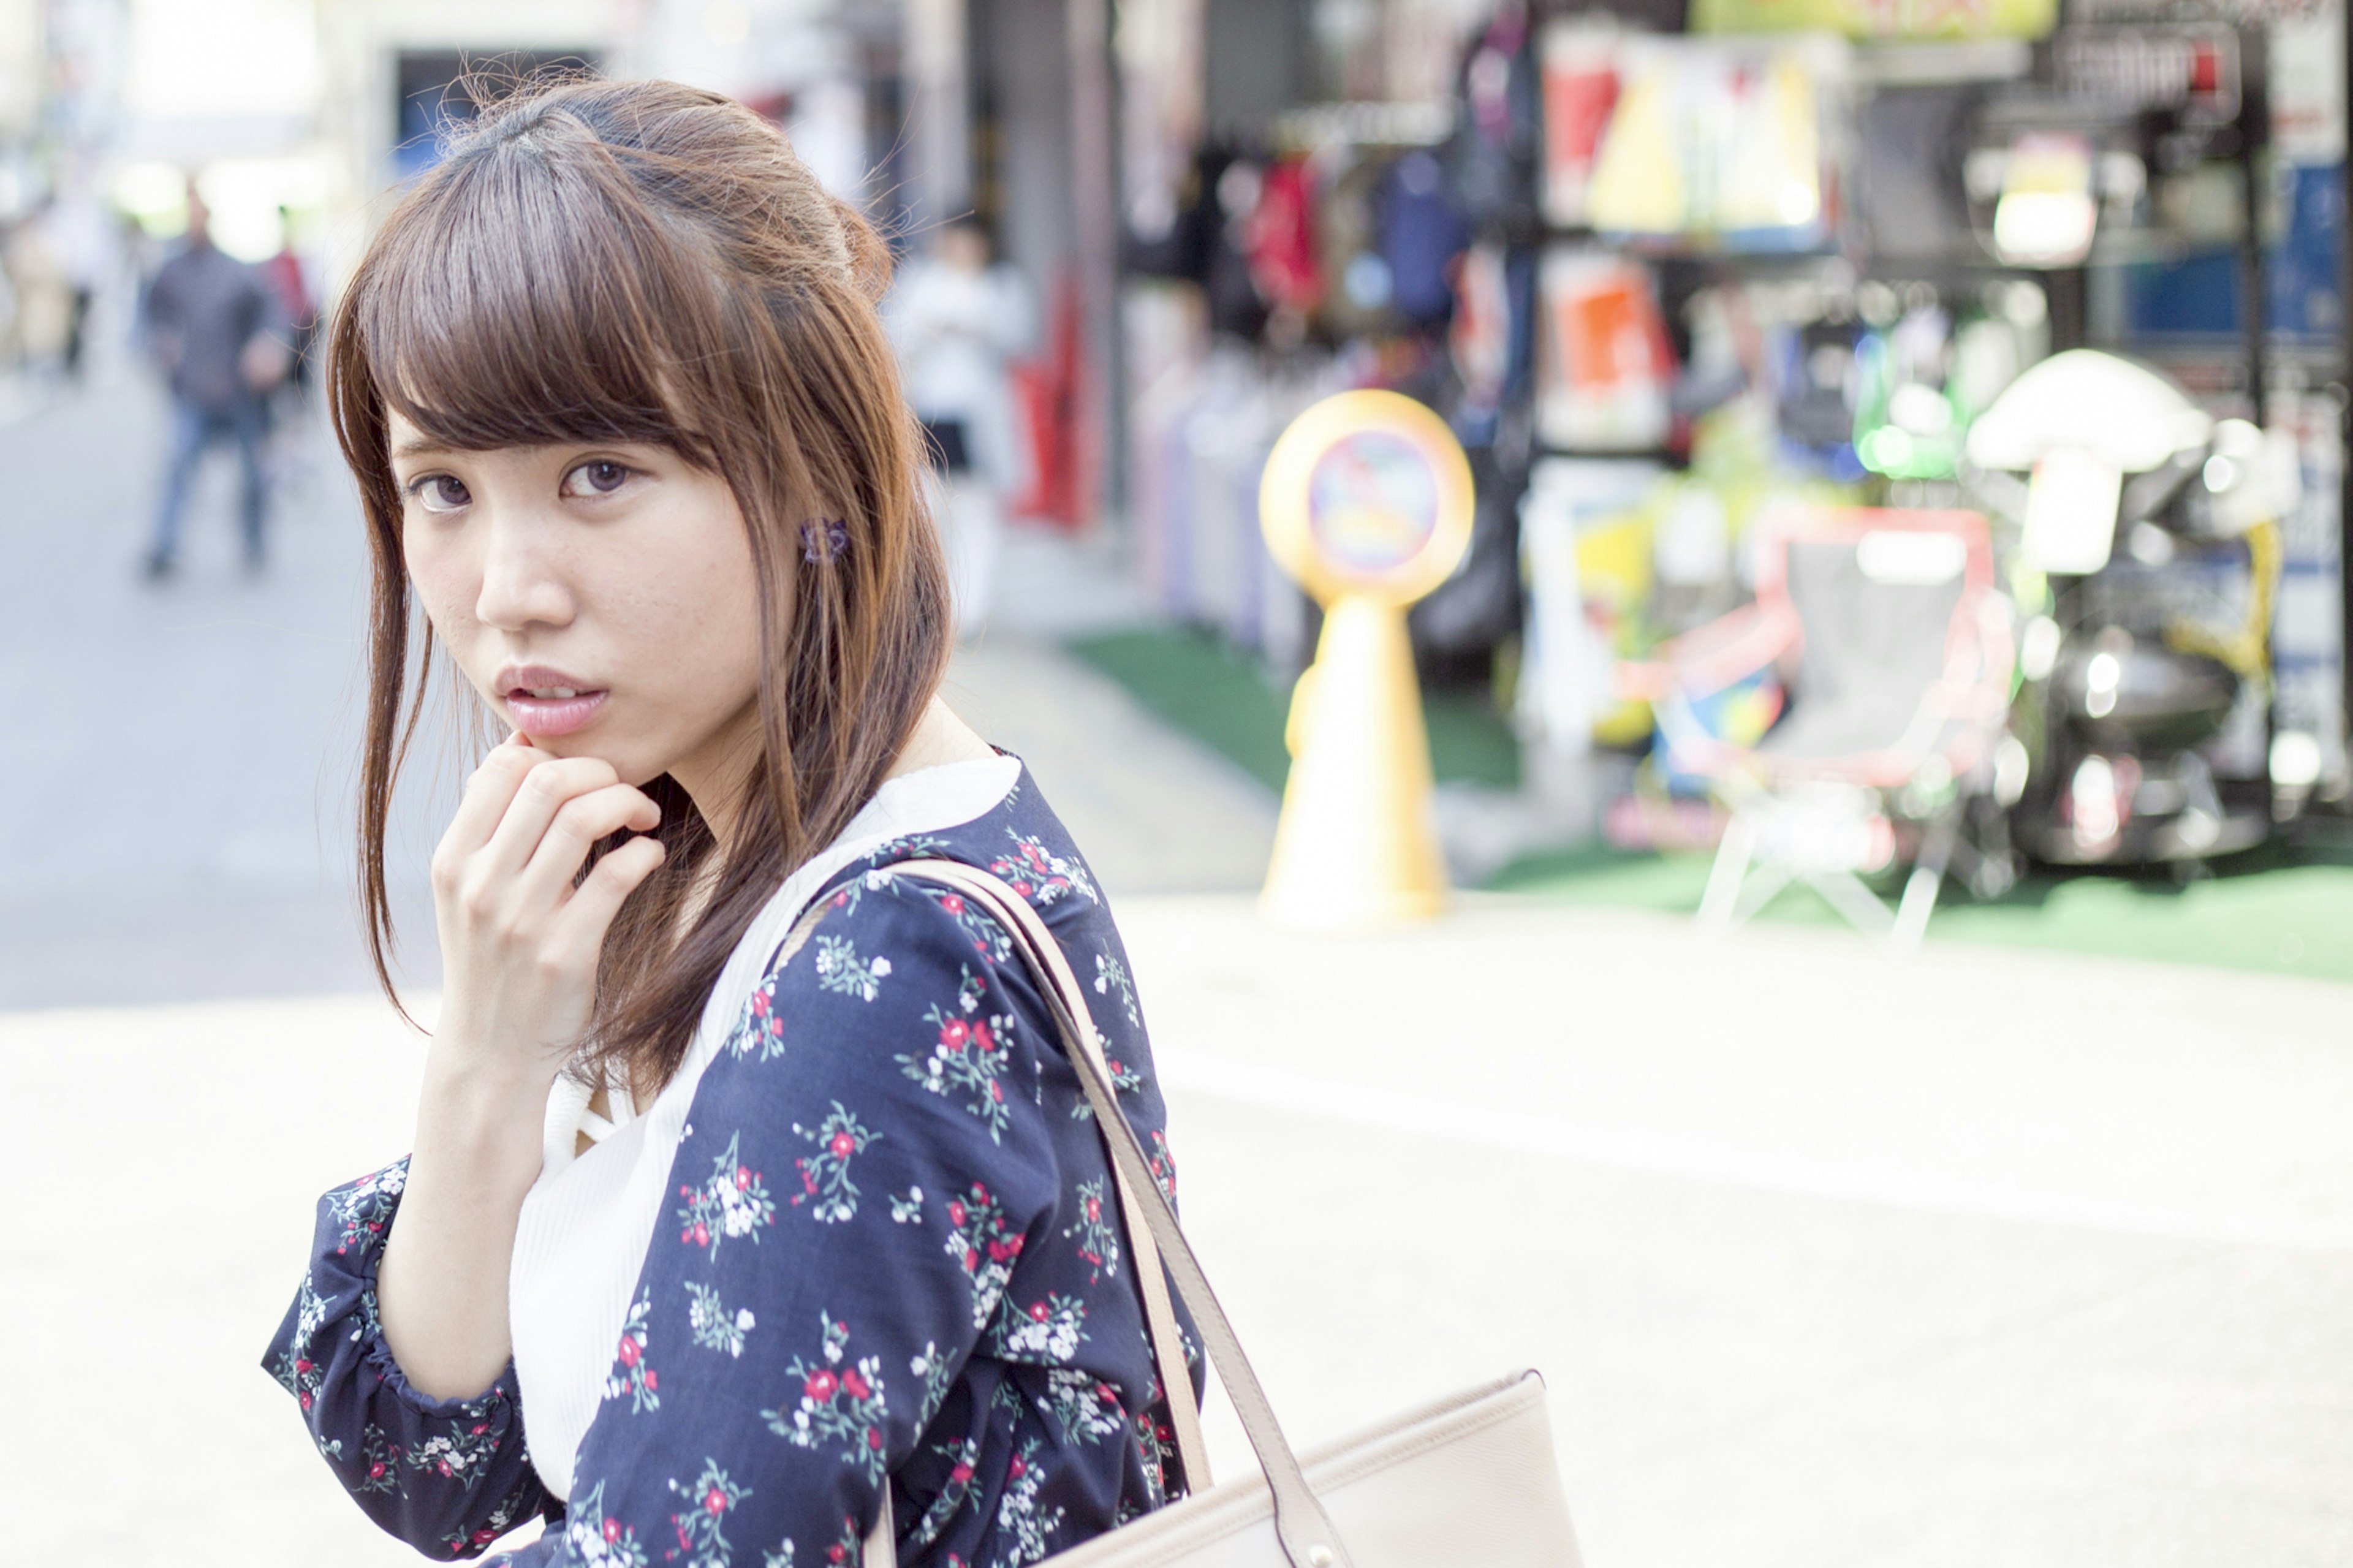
(1981, 1257)
(174, 822)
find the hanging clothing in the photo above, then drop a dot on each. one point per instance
(1421, 233)
(883, 1252)
(1281, 238)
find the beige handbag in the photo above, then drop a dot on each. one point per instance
(1465, 1482)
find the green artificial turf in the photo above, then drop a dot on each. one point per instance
(2284, 910)
(1203, 686)
(2281, 910)
(1224, 699)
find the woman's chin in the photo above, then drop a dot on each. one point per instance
(629, 762)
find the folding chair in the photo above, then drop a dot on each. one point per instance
(1896, 649)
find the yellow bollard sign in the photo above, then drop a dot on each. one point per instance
(1366, 503)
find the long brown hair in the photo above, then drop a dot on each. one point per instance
(647, 262)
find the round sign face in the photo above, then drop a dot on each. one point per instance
(1368, 493)
(1372, 503)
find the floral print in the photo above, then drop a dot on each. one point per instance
(841, 1407)
(711, 1324)
(761, 1031)
(1039, 874)
(700, 1524)
(981, 1240)
(1049, 1332)
(731, 1202)
(1110, 976)
(932, 1367)
(964, 1457)
(437, 1473)
(1026, 1526)
(825, 1174)
(935, 1301)
(633, 1377)
(968, 1062)
(363, 1209)
(296, 1371)
(1096, 1230)
(839, 969)
(1086, 1408)
(596, 1542)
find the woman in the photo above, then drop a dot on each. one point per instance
(704, 1250)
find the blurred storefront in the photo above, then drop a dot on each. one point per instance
(1677, 273)
(295, 116)
(1683, 278)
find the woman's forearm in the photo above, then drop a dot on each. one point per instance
(521, 931)
(442, 1287)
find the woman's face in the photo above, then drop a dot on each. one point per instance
(599, 595)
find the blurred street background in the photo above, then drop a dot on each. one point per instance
(2027, 1242)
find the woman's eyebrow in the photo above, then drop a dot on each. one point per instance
(419, 446)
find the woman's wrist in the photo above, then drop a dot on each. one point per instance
(482, 1118)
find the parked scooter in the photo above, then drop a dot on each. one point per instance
(2146, 560)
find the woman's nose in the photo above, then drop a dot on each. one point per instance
(523, 577)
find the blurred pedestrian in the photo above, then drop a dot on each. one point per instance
(44, 293)
(218, 334)
(957, 320)
(89, 249)
(289, 280)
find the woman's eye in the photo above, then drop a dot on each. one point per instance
(440, 492)
(598, 477)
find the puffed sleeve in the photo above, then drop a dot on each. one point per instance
(862, 1165)
(446, 1475)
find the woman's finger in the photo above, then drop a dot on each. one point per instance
(546, 881)
(488, 792)
(542, 793)
(580, 925)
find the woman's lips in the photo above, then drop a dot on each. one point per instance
(548, 716)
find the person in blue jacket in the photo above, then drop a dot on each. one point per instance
(724, 1232)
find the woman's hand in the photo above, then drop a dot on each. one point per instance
(519, 949)
(519, 941)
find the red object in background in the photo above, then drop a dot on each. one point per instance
(1479, 336)
(284, 275)
(1580, 91)
(1607, 364)
(2205, 70)
(776, 107)
(1281, 239)
(1047, 392)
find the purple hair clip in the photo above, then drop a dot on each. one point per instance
(836, 538)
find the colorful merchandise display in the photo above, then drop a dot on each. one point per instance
(1606, 365)
(1937, 19)
(1717, 145)
(1676, 291)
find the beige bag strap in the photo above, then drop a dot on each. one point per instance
(1300, 1525)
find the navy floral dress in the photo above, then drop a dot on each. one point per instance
(892, 1259)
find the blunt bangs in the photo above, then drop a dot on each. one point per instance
(532, 302)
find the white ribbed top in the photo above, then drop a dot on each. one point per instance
(589, 1218)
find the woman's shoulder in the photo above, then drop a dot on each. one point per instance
(886, 948)
(1019, 840)
(905, 1015)
(877, 927)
